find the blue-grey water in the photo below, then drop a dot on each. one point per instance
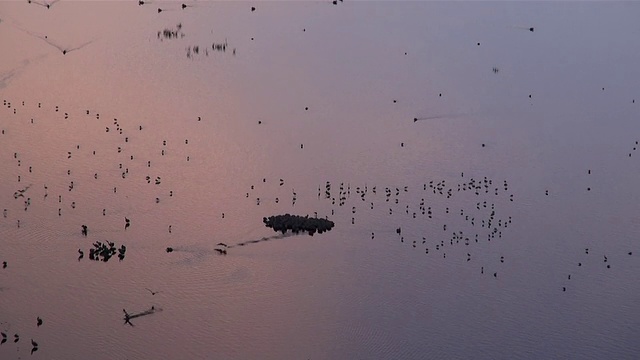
(479, 161)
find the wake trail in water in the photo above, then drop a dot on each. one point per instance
(269, 238)
(436, 117)
(199, 253)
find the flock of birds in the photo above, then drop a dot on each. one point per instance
(115, 130)
(457, 216)
(170, 33)
(454, 217)
(16, 337)
(481, 215)
(463, 229)
(125, 163)
(196, 50)
(193, 51)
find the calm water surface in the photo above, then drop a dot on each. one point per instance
(462, 235)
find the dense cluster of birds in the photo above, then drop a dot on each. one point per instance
(169, 33)
(104, 251)
(297, 224)
(450, 213)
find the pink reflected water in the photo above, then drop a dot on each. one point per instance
(500, 225)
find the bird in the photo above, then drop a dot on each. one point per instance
(44, 4)
(35, 346)
(152, 292)
(39, 321)
(46, 39)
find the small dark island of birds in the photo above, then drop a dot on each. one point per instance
(297, 223)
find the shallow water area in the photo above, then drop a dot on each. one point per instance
(479, 161)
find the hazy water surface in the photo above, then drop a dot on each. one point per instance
(482, 178)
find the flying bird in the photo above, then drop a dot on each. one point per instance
(152, 292)
(44, 4)
(46, 39)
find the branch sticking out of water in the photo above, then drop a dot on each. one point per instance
(127, 317)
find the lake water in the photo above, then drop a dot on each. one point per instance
(478, 159)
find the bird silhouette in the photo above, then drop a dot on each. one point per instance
(35, 346)
(39, 321)
(44, 4)
(152, 292)
(46, 39)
